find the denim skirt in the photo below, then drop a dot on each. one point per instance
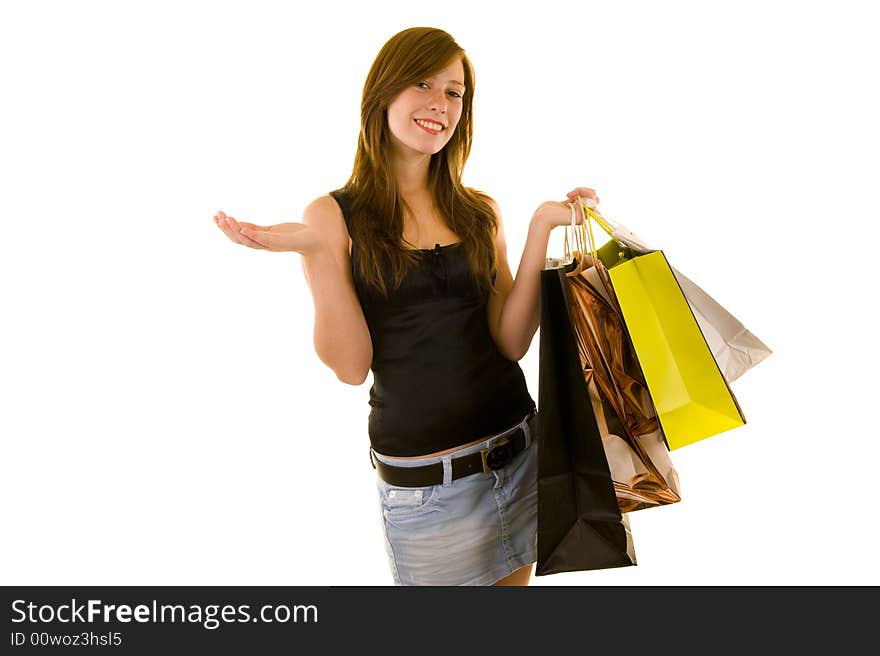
(473, 530)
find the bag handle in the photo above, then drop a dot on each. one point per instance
(568, 255)
(585, 234)
(592, 214)
(590, 207)
(582, 233)
(566, 250)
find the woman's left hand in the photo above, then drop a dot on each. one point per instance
(555, 213)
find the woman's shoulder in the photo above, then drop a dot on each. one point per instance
(326, 208)
(486, 198)
(339, 195)
(326, 214)
(494, 221)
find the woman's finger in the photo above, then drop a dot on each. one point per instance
(241, 232)
(234, 230)
(585, 192)
(227, 230)
(258, 236)
(247, 241)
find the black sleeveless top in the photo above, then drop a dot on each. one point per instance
(438, 378)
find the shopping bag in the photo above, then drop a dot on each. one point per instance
(734, 347)
(690, 394)
(639, 462)
(580, 526)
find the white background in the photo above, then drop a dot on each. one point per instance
(165, 419)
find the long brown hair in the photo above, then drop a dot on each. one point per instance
(375, 205)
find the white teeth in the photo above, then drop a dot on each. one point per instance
(430, 125)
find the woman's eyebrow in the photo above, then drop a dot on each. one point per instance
(450, 81)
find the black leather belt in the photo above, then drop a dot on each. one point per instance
(500, 454)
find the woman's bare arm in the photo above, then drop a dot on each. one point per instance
(341, 336)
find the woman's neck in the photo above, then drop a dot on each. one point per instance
(411, 174)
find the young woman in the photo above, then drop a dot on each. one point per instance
(409, 275)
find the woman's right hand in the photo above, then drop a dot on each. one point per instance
(281, 237)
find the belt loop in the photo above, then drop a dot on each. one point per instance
(447, 470)
(372, 461)
(528, 433)
(499, 478)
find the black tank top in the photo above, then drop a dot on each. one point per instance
(438, 378)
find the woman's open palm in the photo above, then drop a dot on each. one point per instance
(281, 237)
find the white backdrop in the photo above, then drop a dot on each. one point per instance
(165, 419)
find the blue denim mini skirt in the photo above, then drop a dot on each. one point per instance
(473, 530)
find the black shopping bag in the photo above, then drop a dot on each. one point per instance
(580, 526)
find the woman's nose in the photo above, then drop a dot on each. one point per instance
(438, 101)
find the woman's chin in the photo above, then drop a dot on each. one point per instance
(413, 150)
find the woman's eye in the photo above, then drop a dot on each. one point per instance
(425, 85)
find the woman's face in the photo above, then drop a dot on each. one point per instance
(423, 117)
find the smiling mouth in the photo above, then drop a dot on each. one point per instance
(429, 126)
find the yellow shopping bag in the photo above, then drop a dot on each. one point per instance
(692, 398)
